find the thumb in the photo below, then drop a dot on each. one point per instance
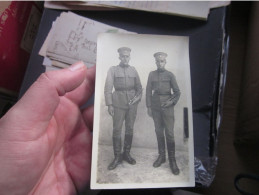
(41, 100)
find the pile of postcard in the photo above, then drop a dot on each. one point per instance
(73, 38)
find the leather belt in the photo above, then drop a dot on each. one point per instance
(124, 89)
(156, 92)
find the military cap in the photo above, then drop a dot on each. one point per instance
(160, 55)
(124, 51)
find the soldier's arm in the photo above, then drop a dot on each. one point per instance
(149, 95)
(108, 87)
(175, 88)
(149, 90)
(138, 86)
(138, 89)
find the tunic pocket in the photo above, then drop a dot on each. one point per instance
(155, 85)
(119, 80)
(165, 86)
(131, 80)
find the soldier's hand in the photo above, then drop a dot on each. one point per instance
(168, 103)
(149, 112)
(111, 110)
(134, 100)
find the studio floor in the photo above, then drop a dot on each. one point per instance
(143, 171)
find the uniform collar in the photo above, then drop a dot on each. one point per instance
(123, 65)
(163, 70)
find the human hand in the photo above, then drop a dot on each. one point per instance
(168, 103)
(45, 139)
(134, 100)
(149, 112)
(111, 110)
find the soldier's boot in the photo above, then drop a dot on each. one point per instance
(127, 146)
(117, 154)
(174, 168)
(161, 150)
(171, 155)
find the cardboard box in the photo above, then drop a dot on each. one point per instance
(248, 116)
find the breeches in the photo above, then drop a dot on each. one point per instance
(129, 115)
(164, 121)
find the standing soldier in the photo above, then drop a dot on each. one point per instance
(160, 104)
(122, 104)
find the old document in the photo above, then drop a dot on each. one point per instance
(73, 38)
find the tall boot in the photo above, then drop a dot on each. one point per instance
(171, 156)
(161, 150)
(127, 147)
(117, 153)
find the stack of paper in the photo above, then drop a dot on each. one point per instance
(194, 9)
(73, 38)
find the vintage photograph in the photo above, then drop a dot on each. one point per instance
(143, 129)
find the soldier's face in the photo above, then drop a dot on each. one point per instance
(124, 59)
(160, 63)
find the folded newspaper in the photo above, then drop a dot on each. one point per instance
(73, 38)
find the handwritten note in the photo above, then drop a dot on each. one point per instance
(74, 37)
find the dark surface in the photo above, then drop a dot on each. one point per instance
(205, 58)
(233, 160)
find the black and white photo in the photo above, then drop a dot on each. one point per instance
(122, 104)
(143, 131)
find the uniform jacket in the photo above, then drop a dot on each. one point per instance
(122, 84)
(159, 86)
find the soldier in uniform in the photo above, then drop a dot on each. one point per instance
(122, 104)
(160, 104)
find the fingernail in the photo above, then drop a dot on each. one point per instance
(77, 66)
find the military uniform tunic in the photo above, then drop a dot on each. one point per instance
(126, 84)
(158, 91)
(159, 88)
